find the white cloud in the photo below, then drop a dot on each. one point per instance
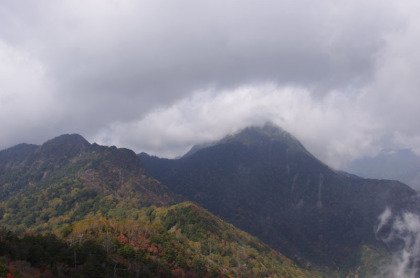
(405, 230)
(330, 127)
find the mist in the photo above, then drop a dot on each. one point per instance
(401, 233)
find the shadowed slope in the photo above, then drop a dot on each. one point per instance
(264, 181)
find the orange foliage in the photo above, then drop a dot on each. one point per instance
(122, 239)
(153, 249)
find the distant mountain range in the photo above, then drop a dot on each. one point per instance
(402, 165)
(113, 212)
(113, 220)
(265, 182)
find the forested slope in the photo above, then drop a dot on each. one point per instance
(69, 208)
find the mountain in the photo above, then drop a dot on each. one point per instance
(67, 178)
(402, 165)
(69, 208)
(265, 182)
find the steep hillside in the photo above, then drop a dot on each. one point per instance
(264, 181)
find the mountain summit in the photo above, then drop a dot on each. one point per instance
(256, 135)
(267, 133)
(264, 181)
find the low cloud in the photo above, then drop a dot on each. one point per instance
(330, 127)
(403, 234)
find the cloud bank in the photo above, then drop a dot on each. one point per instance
(159, 77)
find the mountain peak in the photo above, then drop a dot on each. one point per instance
(261, 135)
(255, 135)
(66, 144)
(67, 139)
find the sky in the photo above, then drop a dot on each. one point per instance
(160, 76)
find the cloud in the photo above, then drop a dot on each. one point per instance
(26, 102)
(210, 115)
(393, 92)
(404, 230)
(341, 76)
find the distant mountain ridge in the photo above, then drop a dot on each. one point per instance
(261, 179)
(402, 165)
(114, 220)
(264, 181)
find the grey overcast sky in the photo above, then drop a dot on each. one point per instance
(159, 76)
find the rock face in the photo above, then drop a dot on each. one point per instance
(265, 182)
